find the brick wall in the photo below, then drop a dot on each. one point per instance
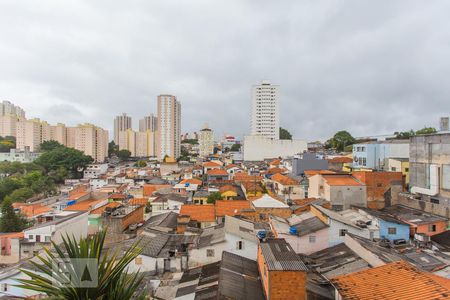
(287, 285)
(135, 216)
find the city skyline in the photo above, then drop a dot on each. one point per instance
(337, 57)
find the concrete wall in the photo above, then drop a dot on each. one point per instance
(437, 209)
(308, 162)
(303, 245)
(348, 196)
(259, 148)
(402, 230)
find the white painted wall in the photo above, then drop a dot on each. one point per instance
(260, 147)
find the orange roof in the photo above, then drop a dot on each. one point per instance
(217, 172)
(276, 170)
(341, 159)
(227, 188)
(191, 181)
(138, 201)
(275, 162)
(101, 209)
(85, 205)
(199, 213)
(231, 166)
(78, 195)
(211, 164)
(245, 177)
(284, 180)
(341, 180)
(149, 189)
(117, 196)
(315, 172)
(394, 281)
(12, 235)
(230, 207)
(32, 210)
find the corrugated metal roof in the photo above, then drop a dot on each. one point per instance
(279, 256)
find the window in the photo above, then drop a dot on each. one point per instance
(209, 252)
(4, 287)
(342, 232)
(392, 230)
(239, 245)
(312, 239)
(30, 237)
(432, 228)
(48, 239)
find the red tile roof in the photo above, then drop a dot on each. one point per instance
(85, 205)
(227, 188)
(341, 159)
(31, 210)
(315, 172)
(199, 213)
(211, 164)
(394, 281)
(117, 196)
(275, 162)
(230, 207)
(276, 170)
(138, 201)
(12, 235)
(241, 177)
(191, 181)
(217, 172)
(341, 180)
(149, 189)
(284, 180)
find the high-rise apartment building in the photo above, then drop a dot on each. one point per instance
(265, 119)
(91, 140)
(7, 108)
(121, 123)
(139, 143)
(169, 126)
(206, 141)
(148, 123)
(10, 114)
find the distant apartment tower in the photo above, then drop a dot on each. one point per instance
(121, 123)
(7, 108)
(169, 126)
(206, 141)
(139, 143)
(265, 119)
(10, 114)
(444, 124)
(90, 139)
(148, 123)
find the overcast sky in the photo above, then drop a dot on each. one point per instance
(370, 67)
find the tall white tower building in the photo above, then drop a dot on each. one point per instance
(121, 123)
(206, 141)
(169, 127)
(265, 110)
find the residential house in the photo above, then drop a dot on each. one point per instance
(382, 188)
(342, 190)
(215, 175)
(168, 202)
(348, 221)
(10, 247)
(392, 281)
(282, 272)
(340, 163)
(420, 222)
(210, 165)
(306, 233)
(391, 228)
(307, 161)
(203, 215)
(375, 154)
(234, 235)
(267, 205)
(400, 165)
(286, 187)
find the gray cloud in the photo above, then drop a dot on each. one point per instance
(369, 67)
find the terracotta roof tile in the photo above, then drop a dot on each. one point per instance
(230, 207)
(117, 196)
(217, 172)
(32, 210)
(199, 213)
(315, 172)
(275, 162)
(85, 205)
(191, 181)
(211, 164)
(276, 170)
(394, 281)
(341, 159)
(341, 180)
(138, 201)
(101, 209)
(12, 235)
(149, 189)
(284, 180)
(241, 177)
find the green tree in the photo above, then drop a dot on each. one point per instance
(213, 197)
(22, 194)
(114, 282)
(340, 141)
(10, 221)
(403, 135)
(74, 161)
(113, 149)
(190, 141)
(426, 130)
(8, 185)
(140, 164)
(285, 134)
(7, 143)
(50, 145)
(123, 154)
(236, 147)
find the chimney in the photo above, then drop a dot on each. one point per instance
(182, 222)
